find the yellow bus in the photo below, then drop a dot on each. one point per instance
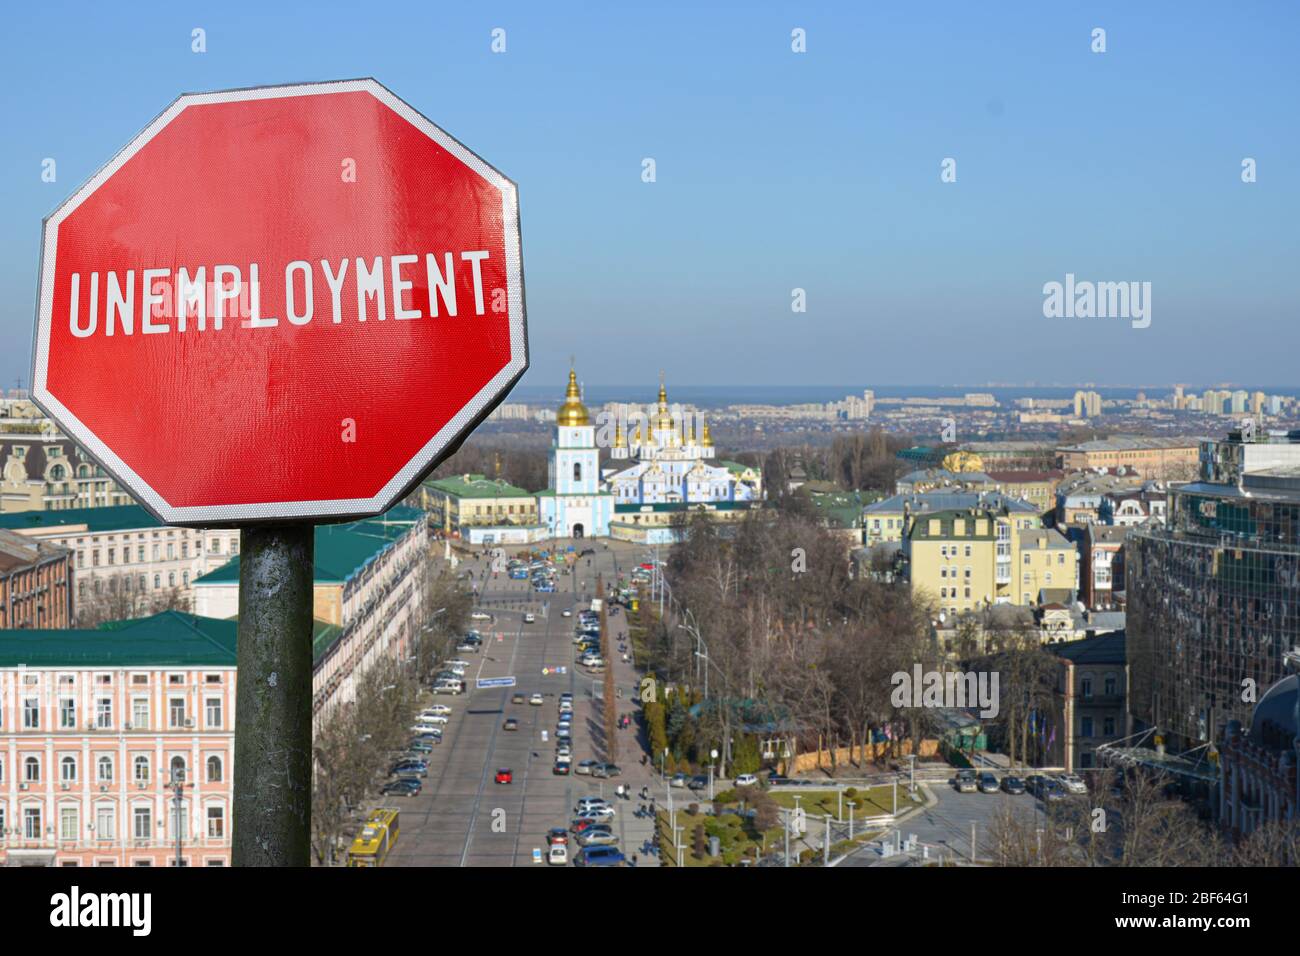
(376, 839)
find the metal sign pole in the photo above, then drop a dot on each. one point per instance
(272, 799)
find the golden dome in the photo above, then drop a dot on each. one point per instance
(707, 440)
(572, 412)
(664, 420)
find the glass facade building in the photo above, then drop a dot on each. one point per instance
(1213, 597)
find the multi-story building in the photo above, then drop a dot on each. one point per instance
(1048, 567)
(1163, 458)
(889, 520)
(1134, 506)
(1080, 498)
(42, 470)
(1214, 597)
(126, 561)
(481, 510)
(973, 558)
(1090, 700)
(35, 583)
(97, 727)
(368, 597)
(1101, 560)
(1257, 769)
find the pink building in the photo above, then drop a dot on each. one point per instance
(95, 725)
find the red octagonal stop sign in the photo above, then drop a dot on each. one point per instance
(280, 303)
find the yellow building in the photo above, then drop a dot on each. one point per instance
(889, 521)
(465, 502)
(976, 557)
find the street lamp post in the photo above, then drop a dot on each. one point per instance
(713, 756)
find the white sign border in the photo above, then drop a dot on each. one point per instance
(270, 512)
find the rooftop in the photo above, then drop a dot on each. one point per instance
(1102, 649)
(341, 550)
(477, 486)
(112, 518)
(932, 501)
(166, 639)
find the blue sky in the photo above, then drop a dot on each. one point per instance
(776, 171)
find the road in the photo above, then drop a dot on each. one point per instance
(464, 818)
(946, 827)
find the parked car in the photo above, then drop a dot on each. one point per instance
(561, 768)
(462, 647)
(436, 710)
(411, 767)
(598, 856)
(988, 783)
(606, 770)
(699, 782)
(480, 615)
(518, 699)
(965, 782)
(1034, 783)
(589, 803)
(1073, 783)
(556, 835)
(505, 775)
(510, 724)
(599, 814)
(567, 612)
(678, 780)
(418, 746)
(1013, 785)
(536, 700)
(584, 766)
(557, 854)
(1051, 791)
(595, 836)
(530, 618)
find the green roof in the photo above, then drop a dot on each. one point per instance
(113, 518)
(341, 550)
(167, 639)
(477, 486)
(839, 509)
(737, 468)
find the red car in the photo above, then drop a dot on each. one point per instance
(504, 775)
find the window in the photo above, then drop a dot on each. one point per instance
(1085, 727)
(32, 823)
(68, 823)
(68, 713)
(577, 471)
(1085, 685)
(1108, 726)
(157, 581)
(104, 713)
(214, 769)
(216, 823)
(31, 713)
(1109, 684)
(105, 823)
(176, 712)
(104, 769)
(141, 772)
(140, 713)
(213, 710)
(32, 769)
(177, 770)
(171, 579)
(143, 823)
(68, 770)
